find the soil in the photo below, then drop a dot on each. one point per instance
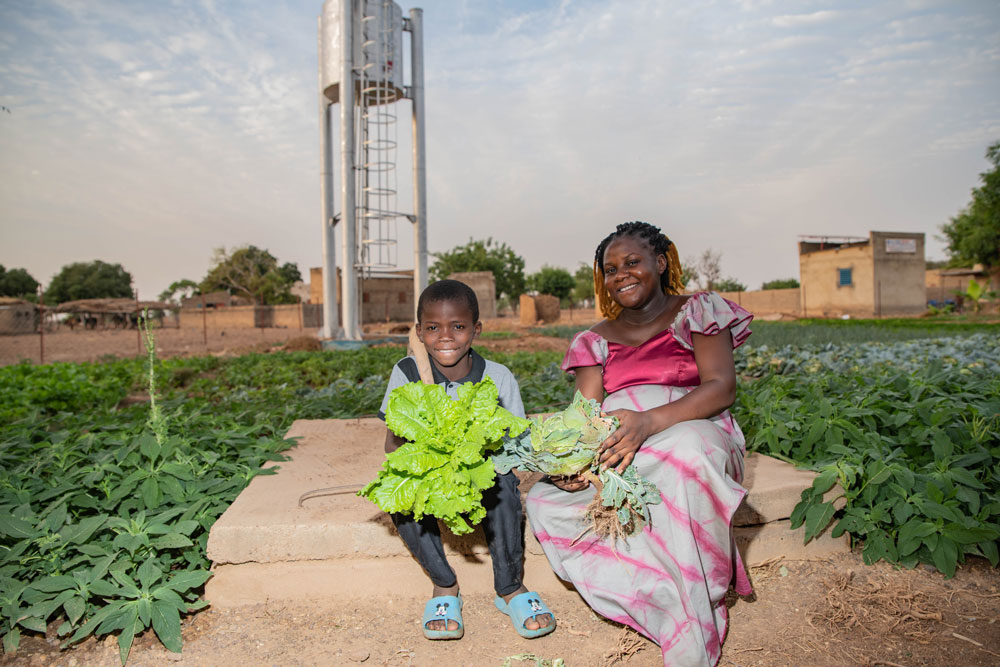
(526, 342)
(825, 612)
(122, 343)
(97, 345)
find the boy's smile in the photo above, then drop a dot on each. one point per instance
(447, 330)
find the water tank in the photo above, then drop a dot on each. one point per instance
(378, 50)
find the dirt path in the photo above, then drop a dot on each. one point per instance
(87, 345)
(98, 345)
(823, 613)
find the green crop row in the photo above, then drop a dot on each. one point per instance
(105, 505)
(105, 512)
(916, 455)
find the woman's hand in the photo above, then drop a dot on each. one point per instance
(570, 482)
(618, 450)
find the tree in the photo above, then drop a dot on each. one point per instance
(290, 272)
(506, 266)
(704, 271)
(252, 273)
(552, 280)
(781, 283)
(182, 288)
(729, 285)
(689, 272)
(583, 290)
(17, 283)
(89, 280)
(973, 235)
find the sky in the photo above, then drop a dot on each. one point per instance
(152, 133)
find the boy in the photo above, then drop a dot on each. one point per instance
(447, 323)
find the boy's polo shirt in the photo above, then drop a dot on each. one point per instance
(405, 371)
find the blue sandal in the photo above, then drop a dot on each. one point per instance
(525, 606)
(444, 608)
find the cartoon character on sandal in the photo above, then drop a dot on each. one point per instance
(527, 609)
(447, 610)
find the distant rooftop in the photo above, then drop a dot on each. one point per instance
(808, 244)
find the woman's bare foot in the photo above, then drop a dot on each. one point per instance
(443, 625)
(541, 621)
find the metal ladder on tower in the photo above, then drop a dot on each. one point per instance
(377, 215)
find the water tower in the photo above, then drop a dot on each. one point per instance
(361, 69)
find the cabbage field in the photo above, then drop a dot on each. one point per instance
(106, 501)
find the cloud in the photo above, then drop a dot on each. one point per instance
(804, 20)
(165, 132)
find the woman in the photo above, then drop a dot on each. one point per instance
(662, 363)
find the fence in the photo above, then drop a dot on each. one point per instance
(106, 328)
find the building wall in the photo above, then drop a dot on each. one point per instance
(383, 298)
(822, 296)
(484, 284)
(316, 285)
(287, 316)
(768, 302)
(899, 273)
(388, 299)
(18, 318)
(942, 284)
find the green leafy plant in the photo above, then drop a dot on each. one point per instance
(975, 294)
(566, 443)
(105, 511)
(916, 453)
(442, 469)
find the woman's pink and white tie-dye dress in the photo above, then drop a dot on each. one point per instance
(669, 582)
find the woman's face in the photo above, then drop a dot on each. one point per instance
(632, 272)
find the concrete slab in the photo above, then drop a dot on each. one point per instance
(777, 539)
(233, 585)
(266, 546)
(775, 488)
(250, 583)
(265, 523)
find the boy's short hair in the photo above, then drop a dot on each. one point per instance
(448, 290)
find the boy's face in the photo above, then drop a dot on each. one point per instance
(446, 329)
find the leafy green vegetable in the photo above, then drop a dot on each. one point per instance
(566, 444)
(562, 444)
(442, 470)
(105, 510)
(627, 495)
(916, 453)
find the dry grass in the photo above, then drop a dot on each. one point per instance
(877, 604)
(628, 644)
(303, 344)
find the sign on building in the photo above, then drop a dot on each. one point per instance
(901, 245)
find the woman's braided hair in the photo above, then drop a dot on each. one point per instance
(670, 279)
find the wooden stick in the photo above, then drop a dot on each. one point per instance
(419, 352)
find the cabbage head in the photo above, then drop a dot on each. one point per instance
(562, 444)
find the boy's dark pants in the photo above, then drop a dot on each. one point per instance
(504, 537)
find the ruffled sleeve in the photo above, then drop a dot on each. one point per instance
(587, 349)
(708, 313)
